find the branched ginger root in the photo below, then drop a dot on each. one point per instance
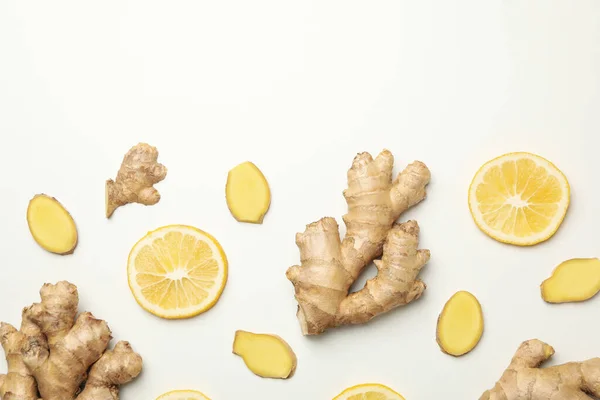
(573, 280)
(266, 355)
(330, 266)
(58, 347)
(134, 182)
(525, 380)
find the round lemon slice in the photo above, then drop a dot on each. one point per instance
(369, 391)
(177, 271)
(183, 395)
(519, 198)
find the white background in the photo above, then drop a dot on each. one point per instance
(299, 87)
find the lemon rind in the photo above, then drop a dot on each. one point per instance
(364, 387)
(169, 395)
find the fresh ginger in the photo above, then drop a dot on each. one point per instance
(18, 382)
(51, 225)
(247, 193)
(115, 368)
(55, 348)
(330, 266)
(525, 380)
(573, 280)
(460, 324)
(135, 180)
(266, 355)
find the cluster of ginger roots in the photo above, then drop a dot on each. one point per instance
(330, 265)
(55, 351)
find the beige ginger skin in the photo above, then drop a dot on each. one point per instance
(50, 356)
(330, 266)
(18, 383)
(525, 380)
(135, 180)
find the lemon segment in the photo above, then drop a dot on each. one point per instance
(183, 395)
(369, 391)
(519, 198)
(177, 271)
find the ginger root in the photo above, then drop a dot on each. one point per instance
(135, 180)
(18, 383)
(525, 380)
(51, 225)
(247, 193)
(330, 266)
(460, 324)
(573, 280)
(266, 355)
(54, 350)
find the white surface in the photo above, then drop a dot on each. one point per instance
(299, 88)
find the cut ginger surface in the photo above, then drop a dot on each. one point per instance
(177, 271)
(266, 355)
(247, 192)
(519, 198)
(573, 280)
(460, 325)
(51, 225)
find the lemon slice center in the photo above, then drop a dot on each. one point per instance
(177, 274)
(176, 271)
(516, 201)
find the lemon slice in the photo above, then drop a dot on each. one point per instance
(519, 198)
(369, 391)
(177, 271)
(183, 395)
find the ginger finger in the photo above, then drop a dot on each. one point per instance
(60, 369)
(115, 368)
(396, 282)
(18, 382)
(55, 315)
(525, 380)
